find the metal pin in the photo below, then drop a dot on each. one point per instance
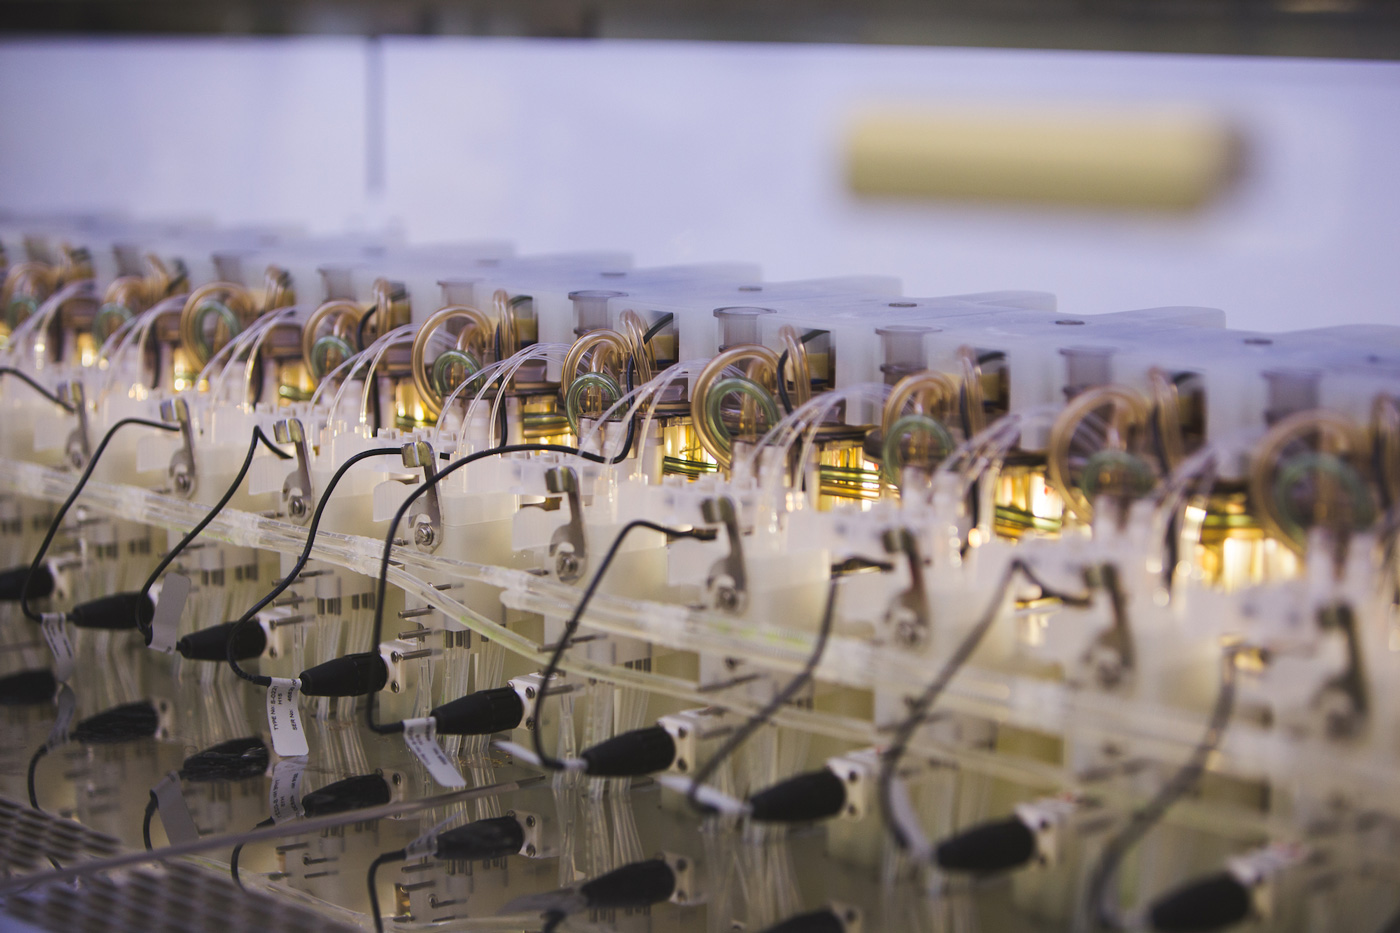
(417, 613)
(400, 542)
(418, 885)
(290, 601)
(413, 655)
(726, 684)
(289, 620)
(413, 634)
(307, 574)
(321, 874)
(577, 640)
(447, 586)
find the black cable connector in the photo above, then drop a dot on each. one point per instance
(997, 846)
(28, 688)
(1210, 903)
(631, 754)
(484, 712)
(220, 642)
(115, 613)
(818, 921)
(352, 793)
(234, 760)
(126, 723)
(353, 675)
(41, 584)
(815, 795)
(633, 886)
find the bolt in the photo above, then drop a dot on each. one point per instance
(529, 693)
(566, 565)
(529, 821)
(394, 686)
(727, 598)
(530, 850)
(296, 507)
(183, 482)
(424, 536)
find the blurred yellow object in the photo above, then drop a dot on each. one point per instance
(1170, 159)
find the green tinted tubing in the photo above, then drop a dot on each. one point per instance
(737, 385)
(203, 347)
(108, 319)
(581, 384)
(890, 461)
(444, 362)
(12, 312)
(1298, 468)
(1140, 477)
(323, 347)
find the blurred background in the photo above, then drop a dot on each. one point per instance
(1122, 153)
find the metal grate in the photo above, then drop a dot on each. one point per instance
(173, 897)
(30, 840)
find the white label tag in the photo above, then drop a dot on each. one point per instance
(288, 738)
(56, 634)
(284, 796)
(170, 605)
(420, 735)
(67, 703)
(174, 812)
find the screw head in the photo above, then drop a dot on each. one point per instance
(727, 598)
(566, 564)
(296, 507)
(183, 482)
(424, 536)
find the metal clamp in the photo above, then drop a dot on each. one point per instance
(728, 581)
(908, 613)
(298, 497)
(182, 475)
(568, 547)
(79, 445)
(426, 517)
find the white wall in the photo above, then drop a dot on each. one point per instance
(681, 151)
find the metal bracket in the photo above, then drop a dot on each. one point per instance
(568, 547)
(182, 475)
(79, 445)
(298, 497)
(728, 581)
(426, 515)
(908, 613)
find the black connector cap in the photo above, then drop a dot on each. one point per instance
(211, 644)
(631, 754)
(1000, 845)
(26, 688)
(639, 884)
(354, 675)
(123, 723)
(118, 612)
(499, 709)
(12, 583)
(352, 793)
(484, 839)
(816, 795)
(234, 760)
(818, 921)
(1210, 903)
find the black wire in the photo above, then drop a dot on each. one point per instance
(258, 437)
(25, 377)
(263, 680)
(742, 734)
(403, 510)
(384, 859)
(782, 364)
(661, 324)
(570, 627)
(919, 709)
(68, 503)
(146, 821)
(1112, 854)
(33, 771)
(237, 854)
(360, 328)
